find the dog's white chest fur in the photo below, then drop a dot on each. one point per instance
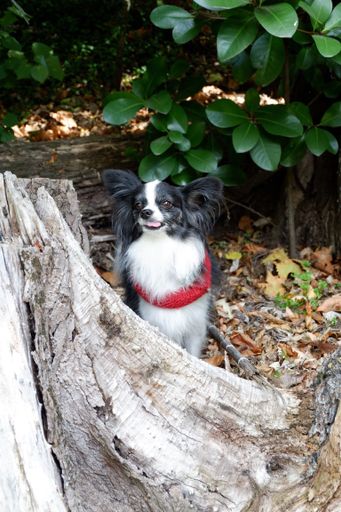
(162, 264)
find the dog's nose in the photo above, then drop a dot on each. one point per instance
(146, 213)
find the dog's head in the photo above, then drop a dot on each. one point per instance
(158, 206)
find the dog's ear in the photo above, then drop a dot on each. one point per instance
(204, 198)
(120, 184)
(202, 191)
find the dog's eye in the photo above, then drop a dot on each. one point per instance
(138, 205)
(167, 204)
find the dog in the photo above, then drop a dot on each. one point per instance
(162, 255)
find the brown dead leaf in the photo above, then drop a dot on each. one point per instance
(241, 339)
(110, 277)
(246, 224)
(288, 351)
(217, 360)
(331, 304)
(273, 285)
(322, 259)
(279, 267)
(254, 249)
(65, 118)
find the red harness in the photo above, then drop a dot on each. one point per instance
(184, 296)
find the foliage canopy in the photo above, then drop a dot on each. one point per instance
(291, 49)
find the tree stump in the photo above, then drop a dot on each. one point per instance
(134, 422)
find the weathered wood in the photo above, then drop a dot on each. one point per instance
(136, 423)
(81, 160)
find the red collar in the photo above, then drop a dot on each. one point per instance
(184, 296)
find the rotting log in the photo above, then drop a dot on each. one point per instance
(136, 423)
(81, 159)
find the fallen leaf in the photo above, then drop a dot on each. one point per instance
(282, 263)
(245, 224)
(110, 277)
(233, 255)
(322, 259)
(65, 118)
(273, 286)
(331, 304)
(242, 339)
(288, 351)
(216, 360)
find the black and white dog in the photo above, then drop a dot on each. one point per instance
(162, 253)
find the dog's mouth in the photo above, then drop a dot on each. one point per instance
(153, 225)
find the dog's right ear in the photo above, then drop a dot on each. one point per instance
(120, 184)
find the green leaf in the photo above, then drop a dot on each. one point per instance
(9, 120)
(155, 75)
(41, 50)
(327, 46)
(160, 102)
(186, 30)
(179, 68)
(333, 143)
(277, 120)
(332, 116)
(157, 167)
(10, 42)
(159, 122)
(202, 160)
(167, 16)
(241, 67)
(225, 114)
(54, 67)
(302, 112)
(184, 177)
(317, 141)
(121, 110)
(245, 137)
(267, 56)
(177, 119)
(221, 5)
(39, 73)
(160, 145)
(293, 152)
(231, 175)
(252, 100)
(6, 135)
(279, 20)
(234, 37)
(318, 10)
(190, 86)
(334, 21)
(306, 58)
(196, 132)
(266, 153)
(183, 144)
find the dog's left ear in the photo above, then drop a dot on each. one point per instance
(204, 193)
(204, 198)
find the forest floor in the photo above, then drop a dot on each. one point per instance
(283, 314)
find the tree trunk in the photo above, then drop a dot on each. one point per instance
(135, 422)
(81, 160)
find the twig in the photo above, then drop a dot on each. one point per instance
(247, 208)
(241, 360)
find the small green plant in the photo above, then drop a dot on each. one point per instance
(307, 293)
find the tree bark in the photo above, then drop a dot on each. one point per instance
(135, 422)
(81, 160)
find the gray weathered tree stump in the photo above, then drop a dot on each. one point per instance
(133, 422)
